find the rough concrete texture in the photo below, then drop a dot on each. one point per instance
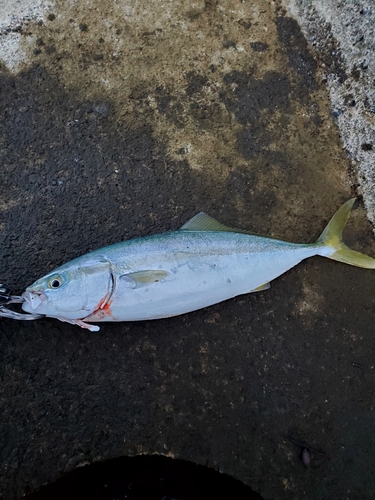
(13, 14)
(126, 118)
(343, 35)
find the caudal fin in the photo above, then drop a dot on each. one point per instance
(332, 237)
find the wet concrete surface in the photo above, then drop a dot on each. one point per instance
(126, 121)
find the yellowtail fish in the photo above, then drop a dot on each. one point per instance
(176, 272)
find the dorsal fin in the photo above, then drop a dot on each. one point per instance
(203, 222)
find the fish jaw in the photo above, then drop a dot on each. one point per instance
(33, 299)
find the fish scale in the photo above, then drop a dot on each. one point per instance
(201, 270)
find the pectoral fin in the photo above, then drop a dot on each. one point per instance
(143, 278)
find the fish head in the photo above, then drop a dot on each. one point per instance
(71, 291)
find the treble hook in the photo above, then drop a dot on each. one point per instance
(5, 294)
(6, 298)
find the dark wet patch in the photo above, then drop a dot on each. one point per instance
(300, 59)
(211, 4)
(83, 27)
(253, 96)
(253, 101)
(239, 184)
(207, 114)
(251, 141)
(259, 46)
(170, 106)
(50, 49)
(321, 38)
(245, 23)
(349, 101)
(239, 181)
(195, 83)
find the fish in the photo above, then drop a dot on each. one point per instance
(163, 275)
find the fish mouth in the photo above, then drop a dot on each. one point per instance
(34, 299)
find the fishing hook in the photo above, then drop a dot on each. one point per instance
(7, 298)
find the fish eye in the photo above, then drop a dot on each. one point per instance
(55, 283)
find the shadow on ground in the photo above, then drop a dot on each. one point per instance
(145, 478)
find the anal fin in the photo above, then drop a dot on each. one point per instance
(260, 288)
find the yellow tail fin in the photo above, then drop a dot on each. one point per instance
(332, 237)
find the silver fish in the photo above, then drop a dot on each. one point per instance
(176, 272)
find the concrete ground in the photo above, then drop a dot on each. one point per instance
(343, 36)
(125, 118)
